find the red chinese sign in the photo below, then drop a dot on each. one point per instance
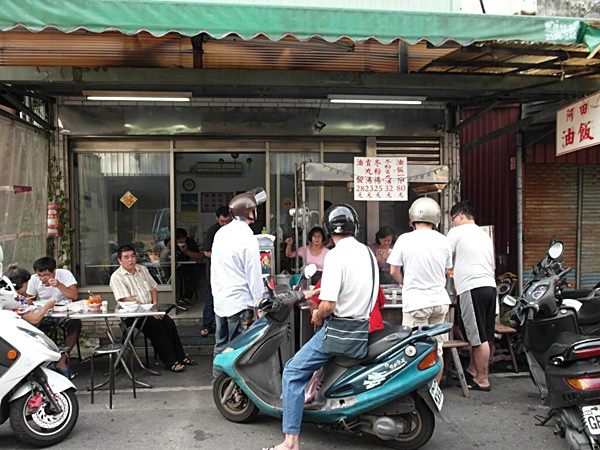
(578, 125)
(380, 179)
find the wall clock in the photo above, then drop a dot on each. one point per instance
(189, 184)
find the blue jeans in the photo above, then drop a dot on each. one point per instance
(227, 329)
(296, 375)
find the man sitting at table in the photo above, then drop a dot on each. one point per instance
(132, 282)
(50, 283)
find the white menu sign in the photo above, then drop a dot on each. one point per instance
(578, 125)
(380, 178)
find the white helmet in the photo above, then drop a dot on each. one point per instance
(425, 209)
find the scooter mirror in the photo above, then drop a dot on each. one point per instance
(556, 250)
(310, 270)
(509, 300)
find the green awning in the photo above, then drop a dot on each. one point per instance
(191, 17)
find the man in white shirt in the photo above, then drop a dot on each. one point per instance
(346, 291)
(475, 283)
(419, 261)
(61, 286)
(235, 273)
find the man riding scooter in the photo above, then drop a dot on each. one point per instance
(345, 292)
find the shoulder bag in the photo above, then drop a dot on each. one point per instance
(349, 337)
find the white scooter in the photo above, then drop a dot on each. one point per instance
(40, 402)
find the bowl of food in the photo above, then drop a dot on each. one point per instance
(129, 306)
(93, 307)
(146, 306)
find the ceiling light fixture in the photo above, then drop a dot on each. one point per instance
(138, 96)
(375, 99)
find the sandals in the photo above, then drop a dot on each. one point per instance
(475, 387)
(188, 361)
(204, 332)
(177, 367)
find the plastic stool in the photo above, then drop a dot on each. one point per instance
(110, 350)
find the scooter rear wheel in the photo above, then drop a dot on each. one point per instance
(421, 425)
(237, 407)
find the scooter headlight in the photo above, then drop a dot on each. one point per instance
(539, 291)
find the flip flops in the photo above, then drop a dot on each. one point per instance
(475, 387)
(204, 332)
(177, 367)
(189, 361)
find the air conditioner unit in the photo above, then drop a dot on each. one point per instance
(232, 168)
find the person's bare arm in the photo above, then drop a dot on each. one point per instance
(289, 253)
(396, 273)
(35, 317)
(324, 310)
(68, 291)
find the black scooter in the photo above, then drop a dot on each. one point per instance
(561, 339)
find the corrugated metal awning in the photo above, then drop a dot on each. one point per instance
(191, 17)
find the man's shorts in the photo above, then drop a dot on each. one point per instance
(428, 316)
(478, 314)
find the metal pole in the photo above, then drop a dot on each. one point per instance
(304, 207)
(295, 218)
(519, 201)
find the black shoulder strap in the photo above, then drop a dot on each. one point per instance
(371, 256)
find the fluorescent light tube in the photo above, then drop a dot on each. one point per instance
(375, 99)
(137, 96)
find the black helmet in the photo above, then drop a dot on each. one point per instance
(341, 219)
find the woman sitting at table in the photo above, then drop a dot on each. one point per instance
(133, 282)
(314, 253)
(382, 248)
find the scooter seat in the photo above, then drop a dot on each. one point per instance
(563, 342)
(589, 313)
(379, 341)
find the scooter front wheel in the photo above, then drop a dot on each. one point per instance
(40, 427)
(419, 427)
(231, 401)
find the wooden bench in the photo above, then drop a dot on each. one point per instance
(507, 332)
(453, 345)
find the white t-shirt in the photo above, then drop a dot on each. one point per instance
(347, 279)
(473, 257)
(424, 255)
(45, 293)
(235, 270)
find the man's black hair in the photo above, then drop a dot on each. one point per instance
(180, 233)
(465, 207)
(44, 263)
(125, 248)
(222, 211)
(17, 276)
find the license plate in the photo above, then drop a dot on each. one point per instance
(436, 395)
(591, 418)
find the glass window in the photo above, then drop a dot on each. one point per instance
(282, 198)
(121, 198)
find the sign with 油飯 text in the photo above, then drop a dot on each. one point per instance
(380, 178)
(578, 125)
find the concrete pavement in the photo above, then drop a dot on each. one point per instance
(179, 413)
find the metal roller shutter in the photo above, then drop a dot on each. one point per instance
(550, 208)
(590, 228)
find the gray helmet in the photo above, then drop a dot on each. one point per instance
(243, 204)
(425, 209)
